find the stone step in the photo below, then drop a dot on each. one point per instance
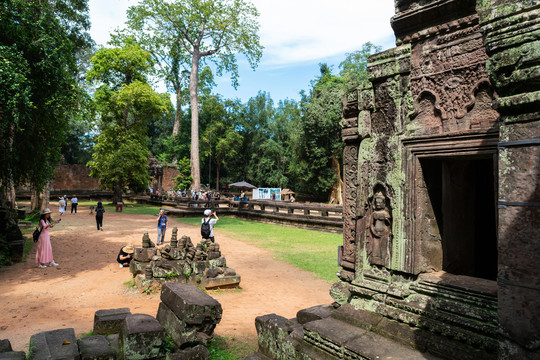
(256, 356)
(345, 341)
(55, 344)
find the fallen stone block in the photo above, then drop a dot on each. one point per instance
(221, 282)
(314, 313)
(109, 321)
(95, 347)
(141, 337)
(144, 254)
(219, 262)
(114, 342)
(176, 328)
(192, 305)
(137, 267)
(198, 352)
(13, 355)
(273, 334)
(55, 344)
(5, 346)
(199, 267)
(163, 268)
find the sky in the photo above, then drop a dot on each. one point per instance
(297, 36)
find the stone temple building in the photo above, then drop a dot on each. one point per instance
(441, 245)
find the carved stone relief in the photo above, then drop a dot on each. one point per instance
(448, 71)
(379, 239)
(350, 167)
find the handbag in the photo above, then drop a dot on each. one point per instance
(36, 234)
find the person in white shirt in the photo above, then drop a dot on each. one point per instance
(62, 206)
(206, 223)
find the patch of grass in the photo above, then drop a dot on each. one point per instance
(83, 335)
(223, 348)
(28, 245)
(130, 284)
(310, 250)
(33, 217)
(129, 208)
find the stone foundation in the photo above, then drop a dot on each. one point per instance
(181, 261)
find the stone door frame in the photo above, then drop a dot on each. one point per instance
(415, 149)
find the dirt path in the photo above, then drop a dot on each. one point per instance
(89, 279)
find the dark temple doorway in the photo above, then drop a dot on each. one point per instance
(462, 194)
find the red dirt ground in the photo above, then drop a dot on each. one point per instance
(89, 279)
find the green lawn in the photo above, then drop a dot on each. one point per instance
(314, 251)
(129, 208)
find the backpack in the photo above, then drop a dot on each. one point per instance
(35, 234)
(205, 229)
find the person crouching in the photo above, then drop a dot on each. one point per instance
(125, 255)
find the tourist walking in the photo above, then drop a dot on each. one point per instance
(99, 215)
(44, 254)
(62, 206)
(161, 227)
(207, 225)
(74, 202)
(125, 255)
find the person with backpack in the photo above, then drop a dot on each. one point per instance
(44, 254)
(207, 225)
(161, 227)
(99, 215)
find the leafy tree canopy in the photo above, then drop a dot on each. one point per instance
(37, 84)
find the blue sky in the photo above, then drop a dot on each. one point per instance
(297, 36)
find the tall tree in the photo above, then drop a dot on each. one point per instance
(220, 139)
(37, 85)
(217, 30)
(320, 134)
(127, 104)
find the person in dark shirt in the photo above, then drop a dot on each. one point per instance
(125, 255)
(99, 215)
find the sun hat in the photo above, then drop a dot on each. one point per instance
(207, 212)
(128, 249)
(46, 211)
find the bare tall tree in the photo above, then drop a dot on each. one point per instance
(215, 29)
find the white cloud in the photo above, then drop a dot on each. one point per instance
(106, 16)
(292, 31)
(302, 30)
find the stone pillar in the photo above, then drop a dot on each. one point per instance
(174, 239)
(512, 39)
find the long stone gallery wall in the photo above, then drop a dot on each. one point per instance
(76, 177)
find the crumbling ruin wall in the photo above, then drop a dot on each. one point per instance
(73, 177)
(441, 215)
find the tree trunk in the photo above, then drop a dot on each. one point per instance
(194, 101)
(117, 193)
(218, 167)
(8, 195)
(178, 113)
(336, 196)
(45, 195)
(34, 199)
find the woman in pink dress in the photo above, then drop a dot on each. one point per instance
(44, 255)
